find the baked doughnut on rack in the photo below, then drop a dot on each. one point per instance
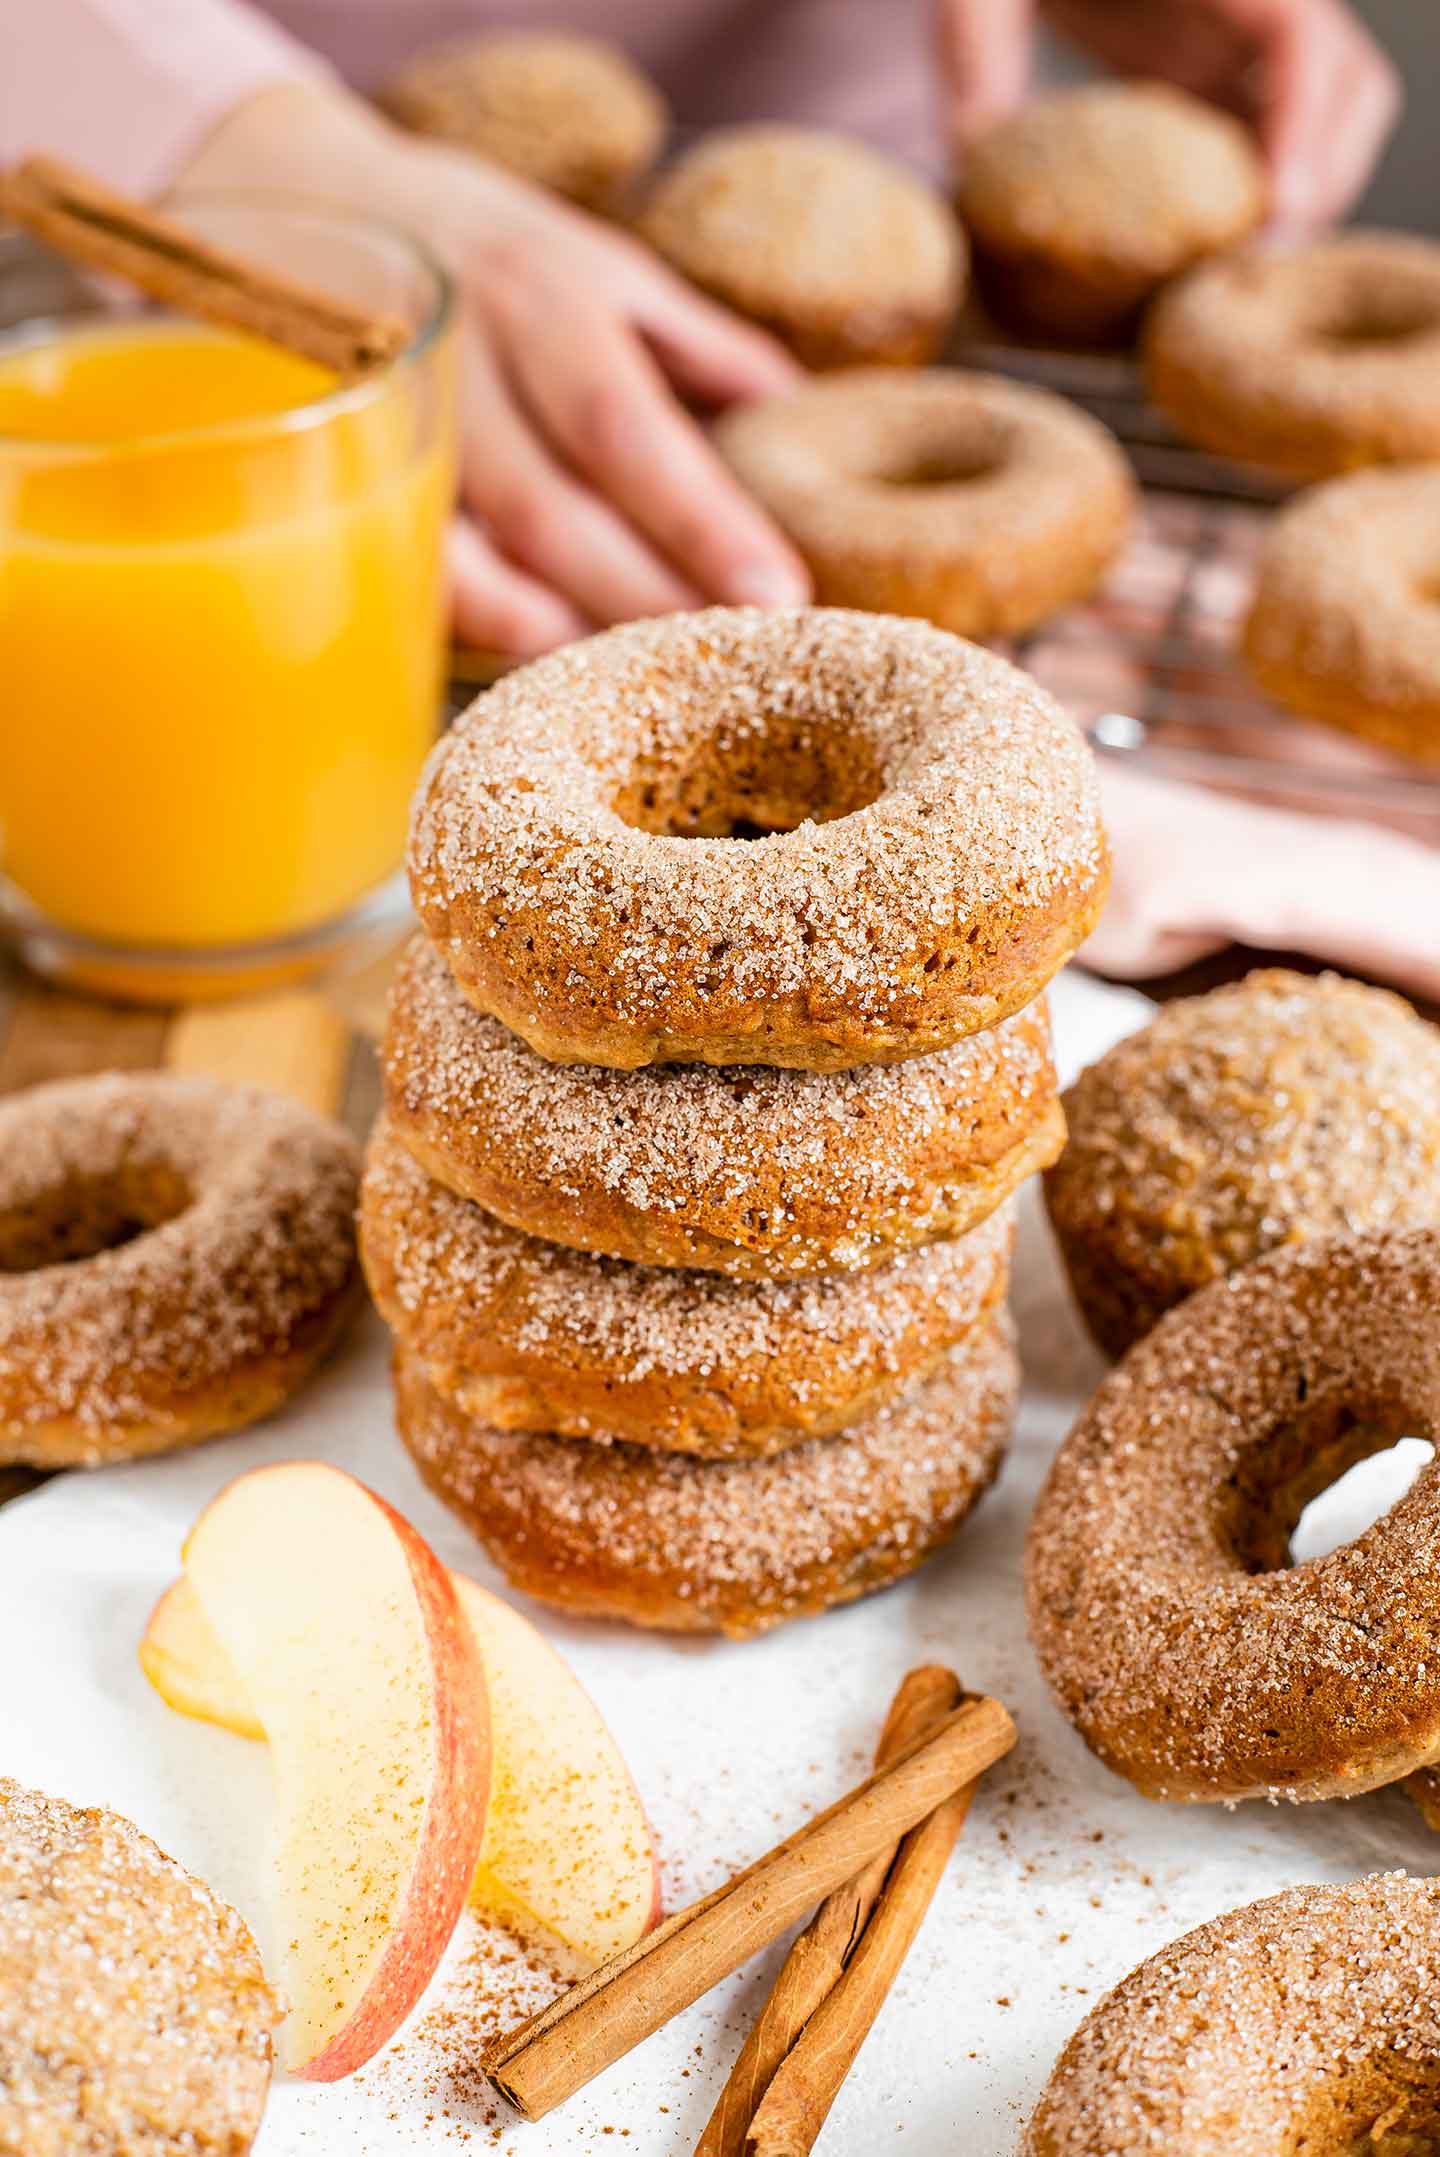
(931, 848)
(845, 254)
(979, 503)
(525, 1335)
(1344, 626)
(1172, 1629)
(1306, 2022)
(176, 1256)
(757, 1172)
(723, 1546)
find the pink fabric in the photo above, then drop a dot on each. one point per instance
(130, 87)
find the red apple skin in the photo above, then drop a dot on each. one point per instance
(453, 1829)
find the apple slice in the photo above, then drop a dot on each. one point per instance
(566, 1838)
(344, 1636)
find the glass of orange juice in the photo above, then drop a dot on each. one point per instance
(221, 620)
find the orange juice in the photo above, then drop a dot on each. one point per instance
(220, 631)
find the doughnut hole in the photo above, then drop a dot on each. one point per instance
(83, 1216)
(1305, 1492)
(1358, 1498)
(1377, 319)
(743, 777)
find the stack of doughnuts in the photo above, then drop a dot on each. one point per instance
(706, 1088)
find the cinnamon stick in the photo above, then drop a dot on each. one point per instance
(570, 2042)
(817, 1960)
(90, 224)
(805, 2084)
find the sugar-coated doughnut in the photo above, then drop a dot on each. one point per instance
(1344, 625)
(723, 1546)
(526, 1335)
(932, 854)
(176, 1256)
(135, 2019)
(1306, 2023)
(569, 112)
(1279, 1107)
(1191, 1656)
(756, 1172)
(1082, 202)
(839, 250)
(979, 503)
(1308, 363)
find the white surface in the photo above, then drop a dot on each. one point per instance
(1064, 1878)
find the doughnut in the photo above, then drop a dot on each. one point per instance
(176, 1257)
(844, 254)
(755, 1172)
(1188, 1652)
(735, 1546)
(1304, 2023)
(135, 2018)
(930, 851)
(1344, 625)
(1309, 363)
(569, 112)
(1277, 1108)
(525, 1335)
(1082, 203)
(977, 502)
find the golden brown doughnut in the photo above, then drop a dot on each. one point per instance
(756, 1172)
(1344, 625)
(525, 1335)
(842, 252)
(1274, 1109)
(571, 113)
(1191, 1656)
(977, 502)
(1308, 363)
(135, 2018)
(176, 1256)
(723, 1546)
(1084, 201)
(1306, 2023)
(932, 854)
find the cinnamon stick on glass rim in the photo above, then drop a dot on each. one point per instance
(816, 1962)
(559, 2050)
(90, 224)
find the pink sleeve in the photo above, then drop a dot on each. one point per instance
(130, 88)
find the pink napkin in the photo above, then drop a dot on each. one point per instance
(1195, 871)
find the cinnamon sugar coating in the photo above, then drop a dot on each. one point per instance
(135, 2018)
(571, 113)
(723, 1546)
(933, 848)
(980, 504)
(1083, 201)
(757, 1172)
(845, 254)
(176, 1256)
(1309, 363)
(1276, 1108)
(525, 1335)
(1304, 2023)
(1344, 625)
(1188, 1652)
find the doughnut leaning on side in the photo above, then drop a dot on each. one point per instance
(932, 848)
(525, 1335)
(1304, 2023)
(1171, 1628)
(756, 1172)
(980, 504)
(1344, 624)
(732, 1546)
(1307, 363)
(176, 1257)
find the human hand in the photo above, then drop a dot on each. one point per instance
(593, 495)
(1320, 93)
